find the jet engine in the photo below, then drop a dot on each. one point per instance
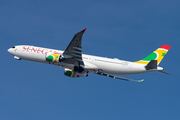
(54, 57)
(72, 73)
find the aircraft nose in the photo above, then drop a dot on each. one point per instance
(10, 50)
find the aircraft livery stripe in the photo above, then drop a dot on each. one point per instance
(167, 47)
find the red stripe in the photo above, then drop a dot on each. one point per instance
(167, 47)
(84, 30)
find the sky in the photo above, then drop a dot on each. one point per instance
(127, 30)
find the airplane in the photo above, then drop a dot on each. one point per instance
(77, 64)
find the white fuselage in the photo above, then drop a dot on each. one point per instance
(92, 64)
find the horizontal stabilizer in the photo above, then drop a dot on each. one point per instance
(164, 72)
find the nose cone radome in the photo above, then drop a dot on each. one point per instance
(10, 50)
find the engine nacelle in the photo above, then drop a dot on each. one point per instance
(54, 57)
(72, 73)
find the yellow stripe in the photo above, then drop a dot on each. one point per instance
(55, 57)
(142, 62)
(161, 53)
(73, 73)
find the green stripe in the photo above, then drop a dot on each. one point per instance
(150, 57)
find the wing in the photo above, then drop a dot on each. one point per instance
(73, 53)
(116, 77)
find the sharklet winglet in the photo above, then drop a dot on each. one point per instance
(141, 80)
(84, 30)
(137, 80)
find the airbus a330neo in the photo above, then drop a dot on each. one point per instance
(77, 64)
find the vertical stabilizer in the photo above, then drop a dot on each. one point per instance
(156, 55)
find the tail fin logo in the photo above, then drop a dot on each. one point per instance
(156, 55)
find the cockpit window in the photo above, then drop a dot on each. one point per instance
(13, 47)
